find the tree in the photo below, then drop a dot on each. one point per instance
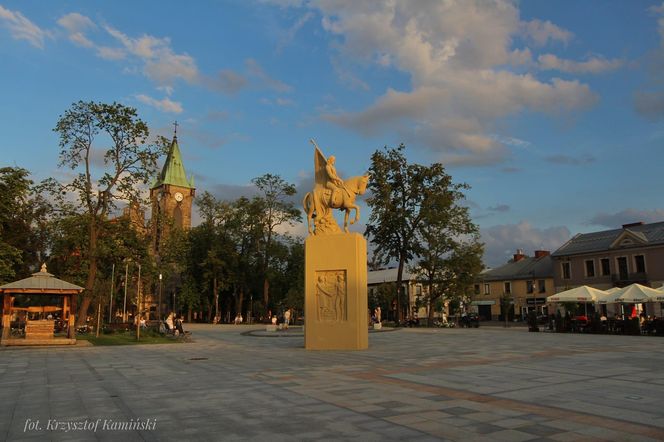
(451, 254)
(402, 198)
(127, 162)
(23, 224)
(276, 209)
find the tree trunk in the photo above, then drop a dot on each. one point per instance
(399, 288)
(266, 263)
(215, 291)
(266, 292)
(92, 275)
(431, 305)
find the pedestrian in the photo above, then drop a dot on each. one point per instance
(287, 316)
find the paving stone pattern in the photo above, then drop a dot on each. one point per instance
(486, 384)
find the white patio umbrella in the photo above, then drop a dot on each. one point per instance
(658, 297)
(632, 294)
(584, 294)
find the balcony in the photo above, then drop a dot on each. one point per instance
(625, 279)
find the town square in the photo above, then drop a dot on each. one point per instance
(332, 220)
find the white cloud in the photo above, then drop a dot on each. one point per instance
(161, 64)
(21, 28)
(501, 241)
(109, 53)
(649, 104)
(649, 100)
(455, 53)
(615, 220)
(541, 32)
(164, 105)
(76, 24)
(284, 102)
(593, 65)
(226, 81)
(256, 70)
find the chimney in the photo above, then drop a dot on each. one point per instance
(541, 253)
(518, 256)
(627, 226)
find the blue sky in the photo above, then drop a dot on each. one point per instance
(553, 112)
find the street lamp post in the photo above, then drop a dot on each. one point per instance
(110, 304)
(159, 313)
(137, 317)
(124, 306)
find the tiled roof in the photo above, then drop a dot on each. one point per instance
(648, 234)
(387, 275)
(525, 268)
(42, 281)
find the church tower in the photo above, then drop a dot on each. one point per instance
(172, 196)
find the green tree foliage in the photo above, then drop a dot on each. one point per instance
(384, 296)
(411, 206)
(276, 209)
(450, 254)
(118, 244)
(106, 144)
(215, 264)
(23, 224)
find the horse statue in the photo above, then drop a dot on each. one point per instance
(331, 192)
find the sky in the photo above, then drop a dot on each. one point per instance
(552, 112)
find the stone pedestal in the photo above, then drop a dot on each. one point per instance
(336, 292)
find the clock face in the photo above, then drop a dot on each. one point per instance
(178, 197)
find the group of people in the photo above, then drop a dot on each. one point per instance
(286, 318)
(173, 324)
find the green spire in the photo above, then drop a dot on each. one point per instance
(173, 171)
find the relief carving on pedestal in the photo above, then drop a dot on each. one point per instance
(331, 294)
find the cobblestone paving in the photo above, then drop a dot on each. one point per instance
(486, 384)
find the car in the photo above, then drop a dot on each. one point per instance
(470, 320)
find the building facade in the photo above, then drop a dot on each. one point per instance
(516, 288)
(612, 258)
(414, 292)
(172, 197)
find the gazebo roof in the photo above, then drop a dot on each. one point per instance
(41, 282)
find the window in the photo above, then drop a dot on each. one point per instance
(508, 288)
(477, 289)
(530, 286)
(567, 271)
(542, 286)
(487, 289)
(606, 266)
(622, 267)
(590, 268)
(640, 263)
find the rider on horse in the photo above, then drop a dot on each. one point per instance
(334, 182)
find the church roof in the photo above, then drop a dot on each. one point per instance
(41, 282)
(173, 171)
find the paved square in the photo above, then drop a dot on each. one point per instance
(483, 384)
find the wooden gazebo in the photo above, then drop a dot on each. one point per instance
(38, 330)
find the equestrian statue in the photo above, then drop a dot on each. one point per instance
(331, 192)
